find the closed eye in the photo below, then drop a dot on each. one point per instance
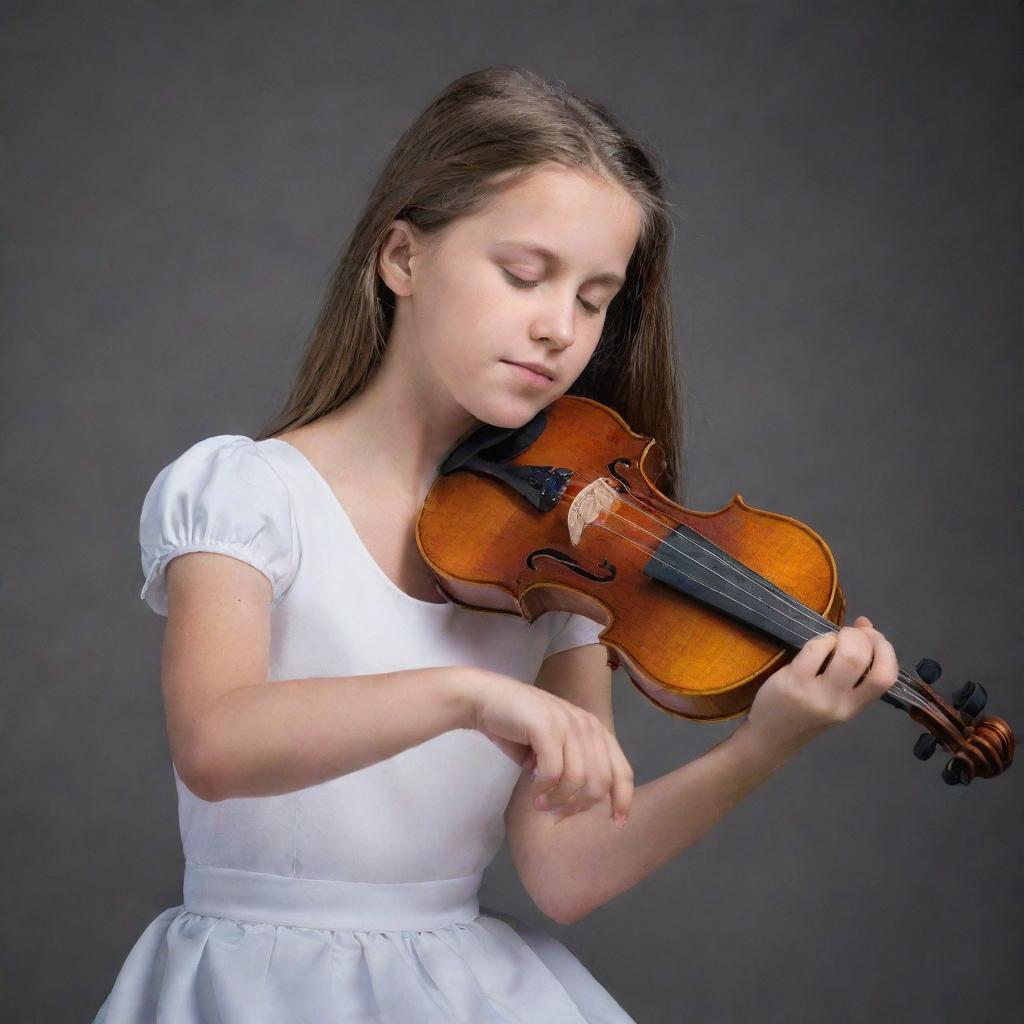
(518, 282)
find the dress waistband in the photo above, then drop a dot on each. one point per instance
(325, 903)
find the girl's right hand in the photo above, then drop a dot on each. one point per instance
(577, 759)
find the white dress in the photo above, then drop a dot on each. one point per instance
(354, 900)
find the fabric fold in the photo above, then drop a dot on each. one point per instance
(190, 967)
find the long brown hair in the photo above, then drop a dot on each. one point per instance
(501, 119)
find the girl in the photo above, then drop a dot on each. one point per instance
(349, 748)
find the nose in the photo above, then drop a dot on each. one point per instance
(555, 322)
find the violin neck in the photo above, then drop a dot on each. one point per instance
(693, 565)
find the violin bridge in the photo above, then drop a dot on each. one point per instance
(588, 505)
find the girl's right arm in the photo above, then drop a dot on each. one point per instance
(234, 734)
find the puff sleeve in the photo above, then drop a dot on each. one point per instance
(572, 630)
(220, 495)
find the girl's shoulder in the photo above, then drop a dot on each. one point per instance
(221, 494)
(223, 459)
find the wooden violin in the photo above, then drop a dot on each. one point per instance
(699, 608)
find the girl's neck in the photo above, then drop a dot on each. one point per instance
(400, 426)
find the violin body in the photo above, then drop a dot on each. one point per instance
(492, 551)
(699, 608)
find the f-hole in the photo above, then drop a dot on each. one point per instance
(571, 563)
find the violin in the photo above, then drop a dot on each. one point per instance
(698, 608)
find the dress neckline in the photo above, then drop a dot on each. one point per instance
(321, 480)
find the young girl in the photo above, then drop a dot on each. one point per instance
(350, 749)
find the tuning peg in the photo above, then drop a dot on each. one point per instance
(954, 773)
(929, 670)
(970, 699)
(925, 746)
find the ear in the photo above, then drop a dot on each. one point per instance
(401, 246)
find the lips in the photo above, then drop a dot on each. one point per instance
(536, 367)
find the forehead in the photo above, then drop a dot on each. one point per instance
(582, 218)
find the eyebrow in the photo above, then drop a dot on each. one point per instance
(553, 257)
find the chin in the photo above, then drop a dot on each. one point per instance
(506, 410)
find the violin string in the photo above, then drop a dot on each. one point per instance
(703, 544)
(909, 695)
(744, 570)
(904, 685)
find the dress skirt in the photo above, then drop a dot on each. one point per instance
(252, 948)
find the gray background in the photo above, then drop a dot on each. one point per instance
(177, 183)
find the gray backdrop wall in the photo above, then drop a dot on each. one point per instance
(178, 181)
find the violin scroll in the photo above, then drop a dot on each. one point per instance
(986, 752)
(981, 747)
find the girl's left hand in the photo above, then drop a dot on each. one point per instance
(802, 699)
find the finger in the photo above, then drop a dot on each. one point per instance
(862, 620)
(884, 670)
(619, 783)
(596, 777)
(622, 781)
(811, 656)
(596, 772)
(599, 766)
(873, 635)
(875, 638)
(550, 753)
(556, 792)
(850, 660)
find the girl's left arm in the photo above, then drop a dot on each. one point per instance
(574, 865)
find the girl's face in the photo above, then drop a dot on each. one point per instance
(478, 299)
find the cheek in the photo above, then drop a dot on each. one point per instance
(477, 318)
(582, 350)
